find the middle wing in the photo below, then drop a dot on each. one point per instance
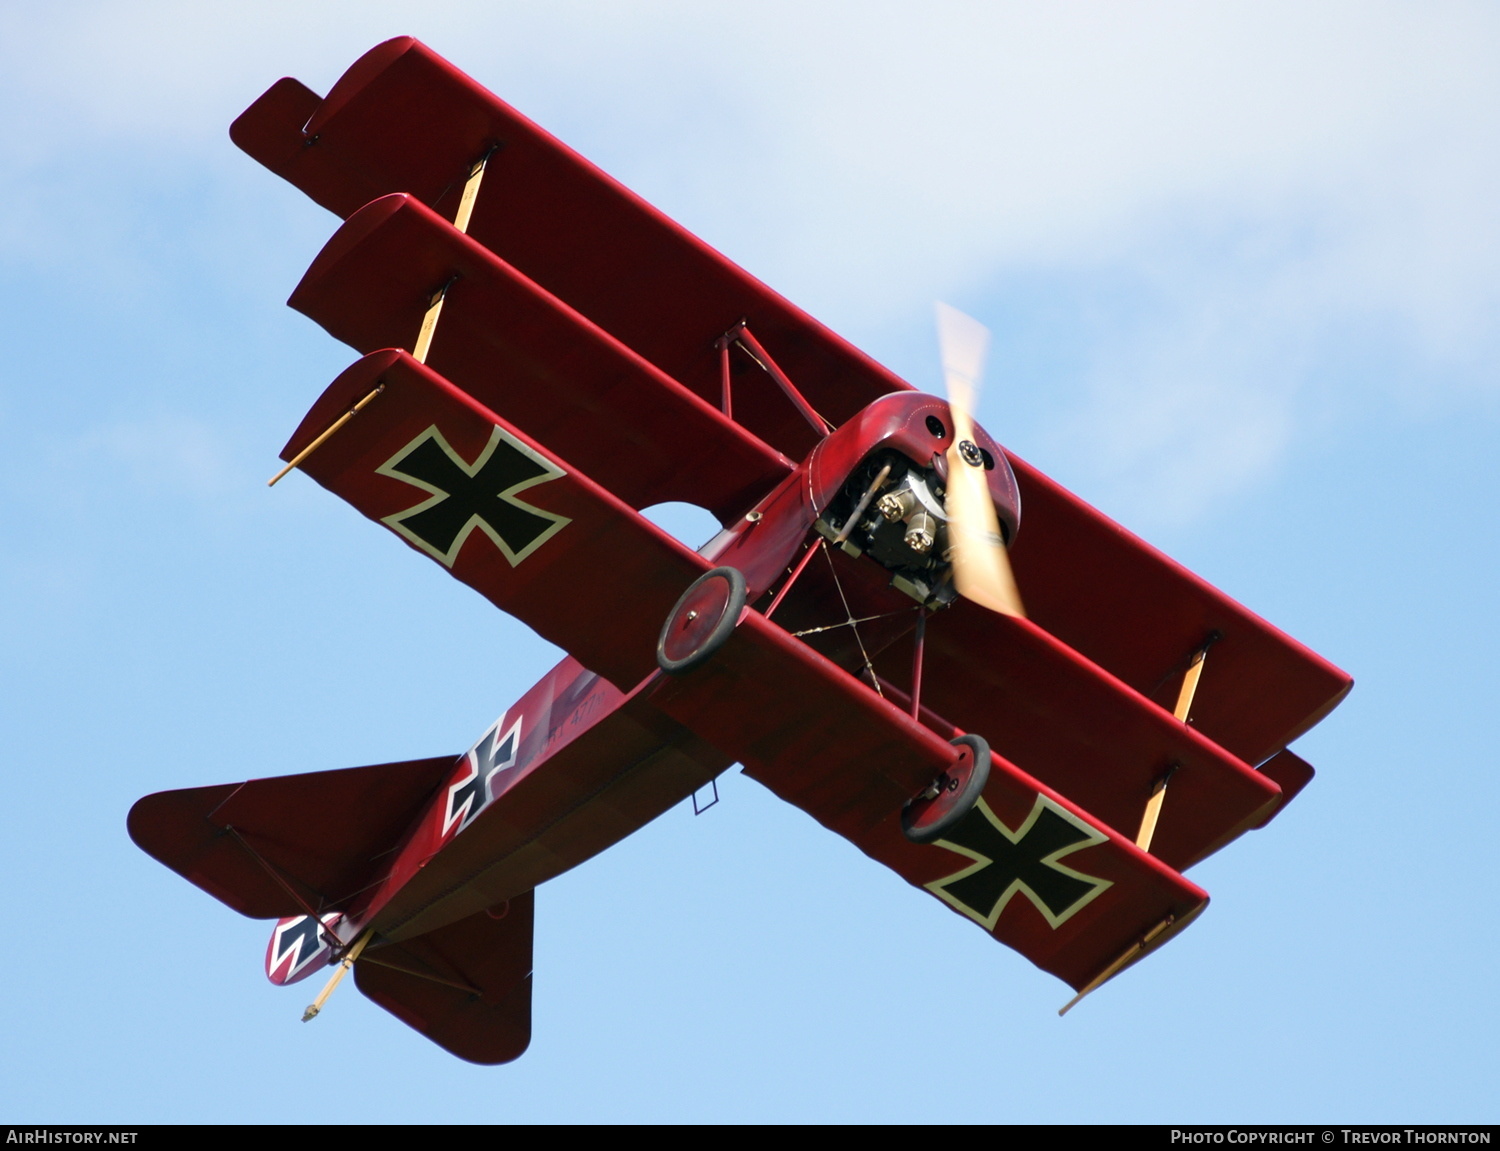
(528, 356)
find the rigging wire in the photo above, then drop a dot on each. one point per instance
(853, 624)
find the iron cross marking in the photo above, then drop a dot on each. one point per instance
(472, 793)
(466, 496)
(1026, 860)
(302, 939)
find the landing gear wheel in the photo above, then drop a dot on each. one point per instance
(951, 795)
(702, 620)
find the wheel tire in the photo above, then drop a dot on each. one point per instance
(702, 620)
(927, 820)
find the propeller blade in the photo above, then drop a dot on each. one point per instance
(963, 342)
(981, 568)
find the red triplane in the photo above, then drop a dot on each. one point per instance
(851, 636)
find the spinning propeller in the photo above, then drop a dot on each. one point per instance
(981, 569)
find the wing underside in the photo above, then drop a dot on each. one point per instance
(1028, 865)
(466, 986)
(526, 355)
(525, 528)
(578, 375)
(403, 120)
(597, 578)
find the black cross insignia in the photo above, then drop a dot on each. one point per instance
(467, 496)
(1024, 860)
(471, 794)
(303, 939)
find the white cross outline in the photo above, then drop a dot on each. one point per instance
(1095, 836)
(396, 520)
(278, 956)
(467, 812)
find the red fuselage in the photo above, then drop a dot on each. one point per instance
(576, 764)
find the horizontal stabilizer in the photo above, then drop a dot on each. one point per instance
(272, 848)
(467, 986)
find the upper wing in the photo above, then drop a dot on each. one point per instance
(402, 119)
(1111, 596)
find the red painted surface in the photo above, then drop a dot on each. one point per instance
(527, 355)
(577, 376)
(467, 986)
(599, 588)
(404, 120)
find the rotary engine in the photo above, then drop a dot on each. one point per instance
(899, 522)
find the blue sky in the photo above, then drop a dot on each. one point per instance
(1242, 264)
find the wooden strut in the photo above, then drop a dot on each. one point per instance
(1190, 685)
(471, 191)
(461, 223)
(344, 965)
(1153, 810)
(429, 324)
(319, 442)
(429, 320)
(1114, 968)
(1185, 695)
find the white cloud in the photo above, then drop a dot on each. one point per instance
(1272, 175)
